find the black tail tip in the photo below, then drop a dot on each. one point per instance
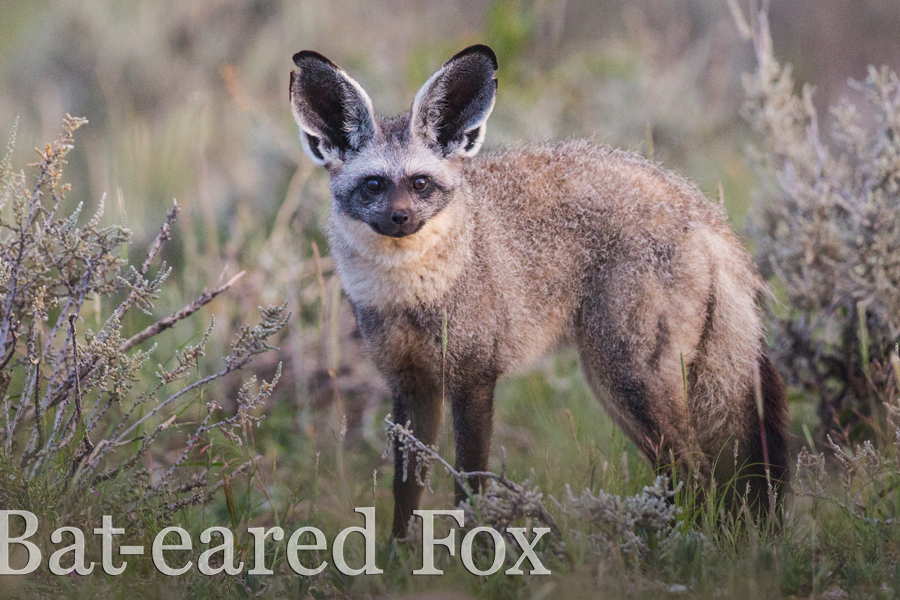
(768, 467)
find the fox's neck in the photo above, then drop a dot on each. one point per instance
(395, 273)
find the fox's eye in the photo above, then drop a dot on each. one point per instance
(420, 183)
(373, 184)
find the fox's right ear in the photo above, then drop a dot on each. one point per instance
(452, 108)
(334, 113)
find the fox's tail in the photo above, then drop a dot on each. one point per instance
(766, 470)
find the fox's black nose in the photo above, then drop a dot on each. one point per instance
(399, 217)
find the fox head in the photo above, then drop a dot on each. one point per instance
(393, 175)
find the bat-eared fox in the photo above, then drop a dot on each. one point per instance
(520, 250)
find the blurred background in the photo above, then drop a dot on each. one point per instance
(188, 100)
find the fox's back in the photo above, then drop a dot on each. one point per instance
(563, 220)
(547, 192)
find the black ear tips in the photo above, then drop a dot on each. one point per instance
(479, 49)
(306, 55)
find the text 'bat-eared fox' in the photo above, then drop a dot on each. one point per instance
(520, 250)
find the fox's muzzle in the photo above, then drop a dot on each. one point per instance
(398, 218)
(397, 226)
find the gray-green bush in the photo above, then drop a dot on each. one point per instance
(827, 233)
(79, 413)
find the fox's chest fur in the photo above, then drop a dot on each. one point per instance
(508, 295)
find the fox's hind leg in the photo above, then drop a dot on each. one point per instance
(633, 337)
(647, 405)
(649, 413)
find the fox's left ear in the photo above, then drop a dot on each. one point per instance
(334, 113)
(450, 111)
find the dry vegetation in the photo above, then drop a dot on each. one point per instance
(119, 396)
(79, 412)
(826, 229)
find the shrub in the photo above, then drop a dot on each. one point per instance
(608, 525)
(73, 419)
(826, 231)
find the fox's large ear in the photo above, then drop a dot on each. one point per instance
(334, 113)
(450, 111)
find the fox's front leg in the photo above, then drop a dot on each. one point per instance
(473, 412)
(418, 402)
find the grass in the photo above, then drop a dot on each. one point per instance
(552, 430)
